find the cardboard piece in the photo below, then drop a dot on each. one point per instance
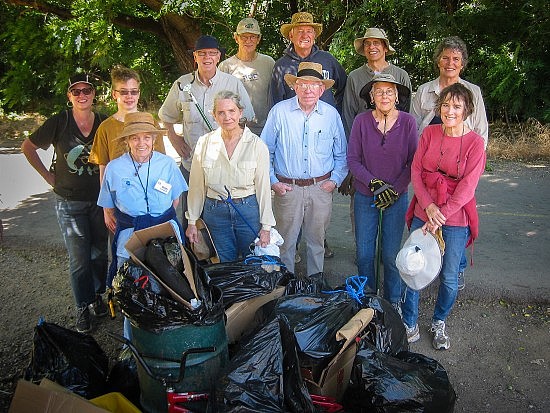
(335, 377)
(49, 397)
(137, 245)
(240, 316)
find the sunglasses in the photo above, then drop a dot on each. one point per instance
(125, 92)
(86, 90)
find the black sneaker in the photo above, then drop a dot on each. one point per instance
(99, 308)
(83, 323)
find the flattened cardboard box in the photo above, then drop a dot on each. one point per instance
(240, 316)
(335, 377)
(137, 244)
(49, 397)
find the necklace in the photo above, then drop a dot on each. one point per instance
(385, 124)
(442, 152)
(137, 168)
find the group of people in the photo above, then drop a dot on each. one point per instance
(265, 143)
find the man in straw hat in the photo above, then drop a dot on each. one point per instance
(302, 32)
(307, 146)
(191, 99)
(375, 46)
(252, 68)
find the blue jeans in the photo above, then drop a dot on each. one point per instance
(85, 236)
(366, 232)
(230, 233)
(455, 240)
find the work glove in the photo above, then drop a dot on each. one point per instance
(384, 194)
(347, 185)
(439, 238)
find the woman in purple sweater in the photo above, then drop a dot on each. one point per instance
(381, 147)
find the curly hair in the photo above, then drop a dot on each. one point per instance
(456, 91)
(453, 43)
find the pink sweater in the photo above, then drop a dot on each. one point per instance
(437, 152)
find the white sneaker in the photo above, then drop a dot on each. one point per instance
(441, 340)
(413, 333)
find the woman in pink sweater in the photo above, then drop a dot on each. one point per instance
(445, 172)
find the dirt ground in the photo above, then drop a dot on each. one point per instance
(500, 327)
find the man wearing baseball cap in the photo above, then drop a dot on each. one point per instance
(375, 46)
(252, 68)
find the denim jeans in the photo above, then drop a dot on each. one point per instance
(366, 231)
(455, 240)
(85, 236)
(230, 233)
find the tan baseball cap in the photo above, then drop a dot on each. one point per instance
(248, 25)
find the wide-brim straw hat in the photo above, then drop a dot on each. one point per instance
(373, 33)
(419, 261)
(139, 122)
(309, 71)
(301, 18)
(403, 92)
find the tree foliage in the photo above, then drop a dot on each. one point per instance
(44, 41)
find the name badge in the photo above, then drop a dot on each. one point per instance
(163, 186)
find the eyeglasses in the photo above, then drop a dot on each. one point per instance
(249, 37)
(210, 53)
(389, 93)
(310, 86)
(86, 90)
(125, 92)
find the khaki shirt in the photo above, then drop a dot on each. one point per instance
(245, 174)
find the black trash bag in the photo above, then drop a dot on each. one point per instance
(156, 259)
(386, 331)
(173, 252)
(407, 382)
(257, 374)
(315, 319)
(301, 284)
(123, 377)
(248, 278)
(156, 312)
(72, 359)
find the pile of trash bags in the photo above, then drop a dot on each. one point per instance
(278, 366)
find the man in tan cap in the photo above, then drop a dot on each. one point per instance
(375, 46)
(302, 32)
(252, 68)
(307, 146)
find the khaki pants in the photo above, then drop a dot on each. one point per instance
(308, 208)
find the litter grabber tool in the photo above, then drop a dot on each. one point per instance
(187, 88)
(229, 201)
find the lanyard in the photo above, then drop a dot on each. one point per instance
(145, 188)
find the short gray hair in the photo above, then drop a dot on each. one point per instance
(227, 94)
(453, 43)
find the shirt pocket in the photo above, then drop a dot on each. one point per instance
(212, 172)
(188, 112)
(323, 143)
(245, 173)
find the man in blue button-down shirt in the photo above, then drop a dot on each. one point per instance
(307, 145)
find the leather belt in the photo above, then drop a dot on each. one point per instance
(235, 200)
(303, 182)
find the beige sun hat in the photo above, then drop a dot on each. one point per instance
(309, 71)
(373, 33)
(248, 25)
(419, 261)
(301, 18)
(139, 122)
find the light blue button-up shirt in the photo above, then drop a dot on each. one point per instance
(305, 146)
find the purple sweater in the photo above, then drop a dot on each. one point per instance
(391, 161)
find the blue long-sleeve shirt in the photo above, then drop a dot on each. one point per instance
(305, 146)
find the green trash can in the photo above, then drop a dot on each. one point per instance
(162, 353)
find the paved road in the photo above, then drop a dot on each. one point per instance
(511, 257)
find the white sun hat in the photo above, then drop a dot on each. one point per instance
(419, 261)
